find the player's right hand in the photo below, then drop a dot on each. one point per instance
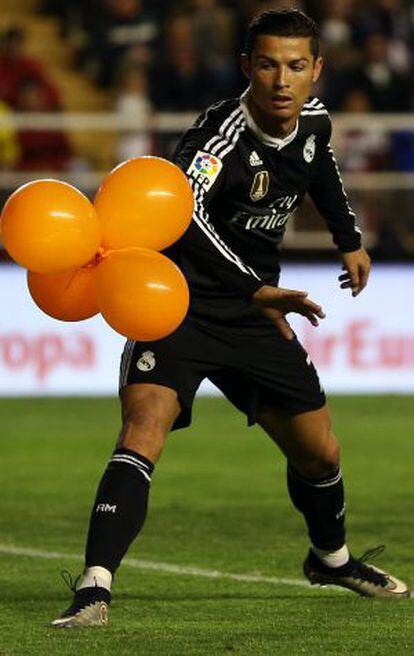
(276, 303)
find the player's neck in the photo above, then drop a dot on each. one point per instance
(268, 124)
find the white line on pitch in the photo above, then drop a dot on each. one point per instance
(181, 570)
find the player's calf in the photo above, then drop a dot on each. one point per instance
(121, 503)
(117, 517)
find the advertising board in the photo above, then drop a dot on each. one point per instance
(365, 345)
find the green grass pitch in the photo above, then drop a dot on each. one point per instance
(218, 502)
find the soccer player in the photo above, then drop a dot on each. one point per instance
(250, 161)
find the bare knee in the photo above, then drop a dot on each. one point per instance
(307, 440)
(323, 461)
(148, 413)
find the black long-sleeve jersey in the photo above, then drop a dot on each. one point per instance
(246, 185)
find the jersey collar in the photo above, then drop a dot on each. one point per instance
(273, 142)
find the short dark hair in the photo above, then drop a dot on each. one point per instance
(285, 22)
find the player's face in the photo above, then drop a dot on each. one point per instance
(281, 71)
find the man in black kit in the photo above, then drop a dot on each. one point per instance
(250, 162)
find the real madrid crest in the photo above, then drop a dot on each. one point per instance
(260, 186)
(146, 361)
(309, 149)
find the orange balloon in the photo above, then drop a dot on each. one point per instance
(49, 226)
(145, 202)
(68, 295)
(142, 294)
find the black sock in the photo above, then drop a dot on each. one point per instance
(120, 508)
(323, 506)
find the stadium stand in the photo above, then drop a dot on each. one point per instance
(50, 59)
(125, 77)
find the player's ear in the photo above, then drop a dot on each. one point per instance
(245, 65)
(317, 69)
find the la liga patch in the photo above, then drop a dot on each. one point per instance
(205, 166)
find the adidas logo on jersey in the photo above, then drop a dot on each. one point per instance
(255, 159)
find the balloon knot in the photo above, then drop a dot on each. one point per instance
(98, 257)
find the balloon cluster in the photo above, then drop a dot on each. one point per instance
(85, 258)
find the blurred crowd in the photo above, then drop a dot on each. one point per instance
(187, 51)
(25, 87)
(158, 55)
(155, 55)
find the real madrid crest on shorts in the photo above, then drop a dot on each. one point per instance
(146, 361)
(260, 186)
(309, 149)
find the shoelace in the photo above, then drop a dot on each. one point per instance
(83, 597)
(68, 579)
(364, 571)
(370, 554)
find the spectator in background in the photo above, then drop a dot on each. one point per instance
(214, 25)
(119, 26)
(9, 146)
(180, 79)
(132, 102)
(139, 55)
(363, 149)
(16, 66)
(40, 150)
(337, 30)
(395, 19)
(342, 55)
(388, 90)
(74, 15)
(366, 148)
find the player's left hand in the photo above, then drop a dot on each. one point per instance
(357, 266)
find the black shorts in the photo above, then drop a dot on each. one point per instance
(252, 368)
